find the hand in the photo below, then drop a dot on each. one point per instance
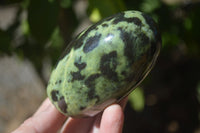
(48, 120)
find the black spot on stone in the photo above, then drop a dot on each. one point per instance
(91, 93)
(145, 40)
(77, 76)
(135, 20)
(78, 44)
(104, 25)
(120, 29)
(128, 44)
(130, 77)
(152, 26)
(79, 40)
(118, 18)
(91, 43)
(121, 18)
(80, 66)
(54, 94)
(108, 65)
(96, 28)
(62, 105)
(90, 83)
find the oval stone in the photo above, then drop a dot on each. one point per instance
(104, 63)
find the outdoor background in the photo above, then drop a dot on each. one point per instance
(33, 34)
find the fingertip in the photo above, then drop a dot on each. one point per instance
(114, 113)
(115, 108)
(44, 106)
(112, 119)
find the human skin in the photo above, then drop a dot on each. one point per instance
(48, 120)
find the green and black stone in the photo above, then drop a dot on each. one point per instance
(104, 63)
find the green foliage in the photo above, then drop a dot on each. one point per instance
(42, 21)
(95, 15)
(150, 5)
(65, 3)
(137, 99)
(106, 7)
(177, 23)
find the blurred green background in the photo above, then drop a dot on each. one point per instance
(166, 102)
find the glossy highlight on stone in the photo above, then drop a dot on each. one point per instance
(104, 63)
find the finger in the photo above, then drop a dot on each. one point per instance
(43, 107)
(78, 125)
(46, 120)
(96, 125)
(112, 119)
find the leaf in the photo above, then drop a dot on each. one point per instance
(150, 5)
(136, 99)
(56, 40)
(106, 7)
(95, 16)
(42, 19)
(65, 3)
